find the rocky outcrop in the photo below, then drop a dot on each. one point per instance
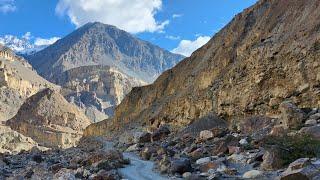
(17, 82)
(13, 142)
(266, 55)
(50, 120)
(96, 89)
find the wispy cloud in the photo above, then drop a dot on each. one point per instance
(174, 16)
(173, 37)
(7, 6)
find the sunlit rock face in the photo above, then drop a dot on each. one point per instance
(50, 120)
(267, 54)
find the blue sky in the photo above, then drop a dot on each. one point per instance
(168, 23)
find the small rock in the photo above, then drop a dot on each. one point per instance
(313, 131)
(278, 130)
(306, 173)
(206, 134)
(37, 158)
(238, 158)
(311, 122)
(134, 147)
(186, 175)
(234, 149)
(315, 116)
(144, 138)
(160, 133)
(203, 160)
(299, 163)
(243, 141)
(180, 166)
(252, 174)
(271, 160)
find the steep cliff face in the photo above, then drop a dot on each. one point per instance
(267, 54)
(96, 89)
(17, 82)
(50, 120)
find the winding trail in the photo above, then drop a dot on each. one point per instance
(139, 169)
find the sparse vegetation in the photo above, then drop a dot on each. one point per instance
(294, 147)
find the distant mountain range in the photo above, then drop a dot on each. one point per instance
(21, 46)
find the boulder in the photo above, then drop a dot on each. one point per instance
(291, 116)
(143, 137)
(243, 141)
(252, 174)
(313, 131)
(311, 122)
(315, 116)
(305, 173)
(278, 131)
(205, 135)
(134, 147)
(271, 160)
(203, 160)
(160, 133)
(234, 149)
(180, 166)
(147, 153)
(300, 163)
(186, 175)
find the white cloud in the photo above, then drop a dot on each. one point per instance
(187, 47)
(26, 43)
(133, 16)
(173, 37)
(174, 16)
(45, 42)
(7, 6)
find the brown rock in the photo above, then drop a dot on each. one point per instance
(291, 116)
(204, 167)
(160, 133)
(313, 131)
(271, 160)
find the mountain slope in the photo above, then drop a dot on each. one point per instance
(18, 81)
(267, 54)
(50, 120)
(100, 44)
(98, 65)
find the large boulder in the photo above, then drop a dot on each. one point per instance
(180, 166)
(291, 116)
(272, 160)
(50, 120)
(301, 169)
(313, 131)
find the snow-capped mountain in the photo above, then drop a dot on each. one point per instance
(26, 45)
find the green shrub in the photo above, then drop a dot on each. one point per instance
(293, 147)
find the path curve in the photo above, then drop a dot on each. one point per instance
(139, 169)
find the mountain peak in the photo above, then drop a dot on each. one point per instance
(101, 44)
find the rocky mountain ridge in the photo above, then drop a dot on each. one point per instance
(123, 62)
